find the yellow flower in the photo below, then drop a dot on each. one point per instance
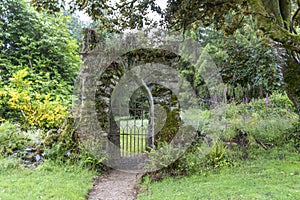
(37, 95)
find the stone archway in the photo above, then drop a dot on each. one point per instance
(162, 96)
(106, 65)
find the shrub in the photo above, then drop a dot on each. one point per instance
(198, 157)
(21, 145)
(192, 160)
(162, 157)
(10, 139)
(35, 109)
(293, 134)
(265, 122)
(217, 157)
(63, 146)
(276, 105)
(60, 146)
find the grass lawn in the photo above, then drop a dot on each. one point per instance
(266, 177)
(47, 182)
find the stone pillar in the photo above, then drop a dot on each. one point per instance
(114, 139)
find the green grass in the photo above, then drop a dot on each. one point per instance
(266, 177)
(132, 144)
(46, 182)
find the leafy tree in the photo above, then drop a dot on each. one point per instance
(277, 19)
(236, 55)
(37, 41)
(43, 46)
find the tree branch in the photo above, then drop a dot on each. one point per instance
(273, 29)
(293, 20)
(286, 10)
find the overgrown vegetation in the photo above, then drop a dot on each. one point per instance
(40, 152)
(248, 129)
(253, 147)
(39, 60)
(236, 55)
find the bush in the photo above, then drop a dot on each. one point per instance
(293, 134)
(265, 122)
(162, 157)
(192, 160)
(11, 139)
(198, 157)
(217, 157)
(34, 109)
(63, 146)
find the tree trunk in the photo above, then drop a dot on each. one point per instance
(291, 76)
(274, 18)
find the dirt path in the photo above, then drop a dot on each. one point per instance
(116, 185)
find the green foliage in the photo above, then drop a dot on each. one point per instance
(35, 109)
(236, 55)
(38, 63)
(217, 157)
(202, 157)
(263, 124)
(19, 146)
(294, 134)
(58, 146)
(11, 139)
(9, 164)
(38, 41)
(247, 125)
(198, 157)
(65, 147)
(191, 161)
(75, 26)
(186, 14)
(162, 157)
(39, 60)
(229, 16)
(42, 44)
(276, 105)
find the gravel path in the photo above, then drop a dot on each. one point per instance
(116, 185)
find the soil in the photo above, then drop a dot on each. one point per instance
(115, 185)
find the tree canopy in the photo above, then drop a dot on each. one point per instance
(37, 41)
(279, 20)
(39, 60)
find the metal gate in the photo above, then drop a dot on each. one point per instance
(129, 133)
(133, 132)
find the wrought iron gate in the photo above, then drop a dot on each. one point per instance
(133, 133)
(129, 133)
